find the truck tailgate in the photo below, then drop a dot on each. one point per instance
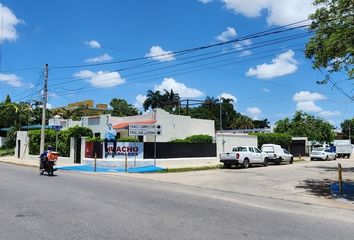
(227, 156)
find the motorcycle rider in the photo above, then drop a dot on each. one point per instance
(44, 158)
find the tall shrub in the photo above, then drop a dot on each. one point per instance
(282, 139)
(63, 139)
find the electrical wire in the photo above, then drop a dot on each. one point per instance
(251, 36)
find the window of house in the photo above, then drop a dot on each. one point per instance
(93, 121)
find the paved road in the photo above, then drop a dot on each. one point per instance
(306, 181)
(89, 206)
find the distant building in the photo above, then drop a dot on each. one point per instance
(86, 103)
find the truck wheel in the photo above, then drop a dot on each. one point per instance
(291, 160)
(265, 162)
(246, 163)
(277, 161)
(227, 166)
(326, 158)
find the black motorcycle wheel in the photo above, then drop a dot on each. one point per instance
(50, 170)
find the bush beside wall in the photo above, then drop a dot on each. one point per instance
(282, 139)
(195, 139)
(50, 139)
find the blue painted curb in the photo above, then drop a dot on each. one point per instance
(86, 168)
(348, 190)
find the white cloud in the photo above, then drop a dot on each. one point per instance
(9, 22)
(102, 58)
(306, 101)
(304, 96)
(279, 12)
(254, 112)
(93, 44)
(242, 44)
(101, 79)
(308, 106)
(11, 79)
(329, 113)
(227, 35)
(157, 53)
(333, 123)
(139, 100)
(205, 1)
(239, 46)
(245, 53)
(229, 96)
(178, 87)
(266, 90)
(282, 65)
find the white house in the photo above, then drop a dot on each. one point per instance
(173, 126)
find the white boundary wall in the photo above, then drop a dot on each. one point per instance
(226, 141)
(22, 136)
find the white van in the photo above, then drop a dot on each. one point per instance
(277, 154)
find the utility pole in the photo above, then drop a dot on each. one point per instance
(220, 114)
(44, 107)
(350, 131)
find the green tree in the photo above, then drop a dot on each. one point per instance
(210, 109)
(332, 45)
(348, 127)
(8, 99)
(261, 123)
(210, 103)
(242, 122)
(153, 100)
(305, 125)
(63, 112)
(170, 100)
(122, 108)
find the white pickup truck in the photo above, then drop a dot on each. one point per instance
(244, 156)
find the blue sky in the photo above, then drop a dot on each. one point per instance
(265, 80)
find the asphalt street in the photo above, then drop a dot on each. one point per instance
(75, 205)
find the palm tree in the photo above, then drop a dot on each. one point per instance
(153, 100)
(210, 103)
(170, 99)
(242, 122)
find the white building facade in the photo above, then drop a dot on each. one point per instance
(173, 126)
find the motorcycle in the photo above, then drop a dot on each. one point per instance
(48, 163)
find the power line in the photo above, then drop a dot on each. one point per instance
(139, 79)
(223, 51)
(33, 89)
(328, 77)
(222, 54)
(251, 36)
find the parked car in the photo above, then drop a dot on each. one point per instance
(322, 154)
(277, 154)
(244, 156)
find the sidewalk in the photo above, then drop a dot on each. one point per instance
(28, 162)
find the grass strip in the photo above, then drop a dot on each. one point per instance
(190, 169)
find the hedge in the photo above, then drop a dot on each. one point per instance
(282, 139)
(50, 139)
(128, 139)
(195, 139)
